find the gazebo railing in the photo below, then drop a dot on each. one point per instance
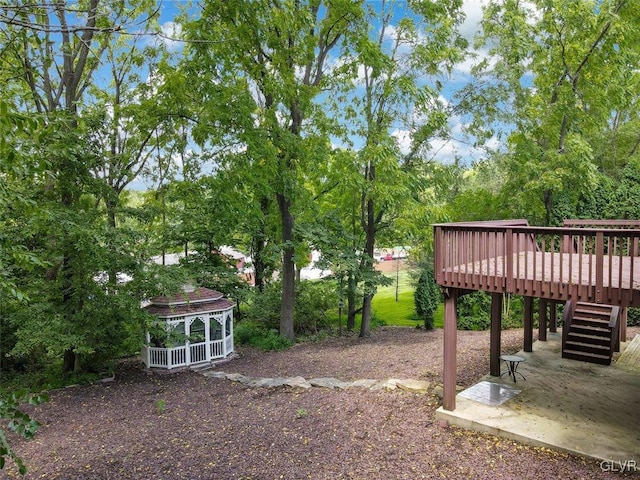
(185, 355)
(216, 350)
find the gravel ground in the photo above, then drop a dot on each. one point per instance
(185, 425)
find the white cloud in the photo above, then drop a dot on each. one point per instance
(404, 139)
(469, 29)
(473, 16)
(171, 35)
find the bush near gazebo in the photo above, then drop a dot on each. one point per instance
(315, 301)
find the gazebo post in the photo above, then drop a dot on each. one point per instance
(495, 332)
(528, 324)
(450, 347)
(224, 335)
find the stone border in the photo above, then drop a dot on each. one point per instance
(410, 385)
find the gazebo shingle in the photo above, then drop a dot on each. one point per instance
(199, 294)
(188, 308)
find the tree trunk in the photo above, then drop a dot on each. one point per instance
(365, 326)
(370, 231)
(259, 265)
(68, 361)
(351, 303)
(288, 269)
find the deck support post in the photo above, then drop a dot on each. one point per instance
(450, 350)
(528, 324)
(542, 319)
(495, 332)
(553, 317)
(624, 312)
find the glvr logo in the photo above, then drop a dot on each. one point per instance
(620, 466)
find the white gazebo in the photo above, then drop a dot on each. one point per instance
(197, 327)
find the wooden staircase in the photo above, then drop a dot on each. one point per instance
(590, 332)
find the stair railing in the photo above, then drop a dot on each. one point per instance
(567, 316)
(614, 325)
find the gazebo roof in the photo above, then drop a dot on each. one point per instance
(198, 300)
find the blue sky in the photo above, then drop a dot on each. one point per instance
(444, 151)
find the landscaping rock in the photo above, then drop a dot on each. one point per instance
(328, 383)
(416, 386)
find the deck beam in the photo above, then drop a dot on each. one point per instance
(528, 324)
(495, 332)
(553, 317)
(450, 350)
(542, 319)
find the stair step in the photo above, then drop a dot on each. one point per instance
(595, 322)
(591, 314)
(587, 357)
(590, 330)
(587, 348)
(592, 318)
(593, 307)
(589, 339)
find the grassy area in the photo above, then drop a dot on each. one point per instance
(401, 312)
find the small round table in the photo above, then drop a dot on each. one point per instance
(512, 362)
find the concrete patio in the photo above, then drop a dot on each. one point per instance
(582, 408)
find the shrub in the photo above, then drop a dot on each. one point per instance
(264, 307)
(245, 331)
(633, 317)
(256, 335)
(427, 297)
(314, 299)
(474, 311)
(271, 340)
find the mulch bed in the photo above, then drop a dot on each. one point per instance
(185, 425)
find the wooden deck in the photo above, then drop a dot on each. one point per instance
(590, 264)
(586, 261)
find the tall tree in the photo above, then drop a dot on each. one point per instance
(54, 52)
(557, 74)
(404, 52)
(267, 59)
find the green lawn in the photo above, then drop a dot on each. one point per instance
(401, 312)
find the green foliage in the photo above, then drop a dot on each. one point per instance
(314, 301)
(18, 422)
(427, 297)
(264, 307)
(161, 406)
(549, 63)
(474, 311)
(259, 336)
(633, 317)
(626, 203)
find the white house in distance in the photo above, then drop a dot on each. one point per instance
(199, 327)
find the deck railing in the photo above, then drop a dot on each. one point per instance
(596, 264)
